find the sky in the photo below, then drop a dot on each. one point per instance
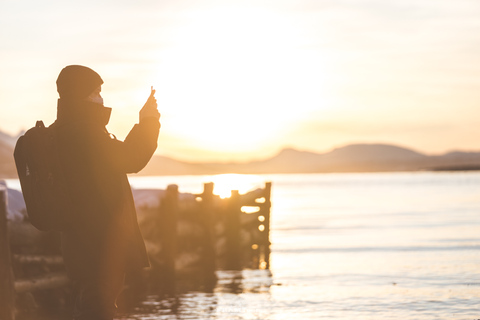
(240, 80)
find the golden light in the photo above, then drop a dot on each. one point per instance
(232, 78)
(225, 183)
(249, 209)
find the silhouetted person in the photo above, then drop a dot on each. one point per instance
(103, 240)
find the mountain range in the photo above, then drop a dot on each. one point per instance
(350, 158)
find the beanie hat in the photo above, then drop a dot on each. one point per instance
(77, 82)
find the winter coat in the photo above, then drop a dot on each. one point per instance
(103, 234)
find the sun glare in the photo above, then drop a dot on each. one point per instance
(225, 183)
(233, 78)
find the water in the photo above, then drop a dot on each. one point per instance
(349, 246)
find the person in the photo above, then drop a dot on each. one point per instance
(102, 240)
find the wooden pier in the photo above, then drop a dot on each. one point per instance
(188, 238)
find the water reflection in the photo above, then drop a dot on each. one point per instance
(227, 301)
(251, 281)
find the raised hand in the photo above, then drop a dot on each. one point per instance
(150, 107)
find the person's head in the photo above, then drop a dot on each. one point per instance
(79, 83)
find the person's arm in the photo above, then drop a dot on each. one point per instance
(133, 154)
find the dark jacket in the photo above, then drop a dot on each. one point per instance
(103, 233)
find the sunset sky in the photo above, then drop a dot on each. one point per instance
(239, 80)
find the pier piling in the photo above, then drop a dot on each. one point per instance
(232, 228)
(7, 289)
(266, 223)
(168, 222)
(208, 219)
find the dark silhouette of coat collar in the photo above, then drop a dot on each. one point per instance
(85, 111)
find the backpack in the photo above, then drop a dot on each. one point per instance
(41, 178)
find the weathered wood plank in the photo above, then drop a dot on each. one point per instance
(37, 259)
(48, 281)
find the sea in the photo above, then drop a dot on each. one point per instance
(346, 246)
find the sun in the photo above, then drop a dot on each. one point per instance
(232, 78)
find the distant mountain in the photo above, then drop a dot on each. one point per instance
(8, 139)
(456, 160)
(350, 158)
(161, 165)
(374, 152)
(7, 164)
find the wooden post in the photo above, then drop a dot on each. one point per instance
(207, 194)
(232, 228)
(208, 220)
(207, 206)
(266, 223)
(7, 289)
(168, 212)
